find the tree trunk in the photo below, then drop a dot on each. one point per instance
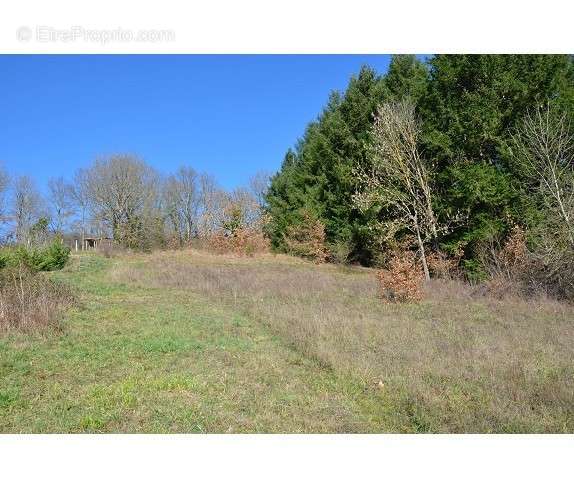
(423, 254)
(83, 228)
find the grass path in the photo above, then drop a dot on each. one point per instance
(135, 359)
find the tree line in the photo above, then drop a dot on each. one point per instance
(448, 154)
(123, 198)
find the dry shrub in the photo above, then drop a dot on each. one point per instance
(174, 242)
(513, 270)
(552, 274)
(513, 254)
(404, 278)
(242, 242)
(443, 266)
(307, 239)
(551, 264)
(506, 265)
(29, 301)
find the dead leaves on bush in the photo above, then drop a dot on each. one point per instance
(404, 278)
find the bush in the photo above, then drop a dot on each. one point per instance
(307, 239)
(30, 301)
(504, 264)
(50, 258)
(550, 267)
(243, 242)
(404, 278)
(141, 234)
(441, 265)
(544, 267)
(340, 251)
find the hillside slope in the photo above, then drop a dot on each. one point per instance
(191, 342)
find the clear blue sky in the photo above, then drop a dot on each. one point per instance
(228, 115)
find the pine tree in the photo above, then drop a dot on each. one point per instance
(468, 105)
(471, 106)
(318, 176)
(406, 78)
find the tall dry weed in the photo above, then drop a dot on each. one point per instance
(30, 301)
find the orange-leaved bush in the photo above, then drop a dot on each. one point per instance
(403, 279)
(307, 239)
(507, 265)
(243, 242)
(441, 265)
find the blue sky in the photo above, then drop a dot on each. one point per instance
(227, 115)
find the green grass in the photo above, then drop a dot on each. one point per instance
(137, 359)
(191, 342)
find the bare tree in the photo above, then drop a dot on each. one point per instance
(212, 202)
(243, 207)
(4, 185)
(123, 191)
(61, 202)
(26, 208)
(80, 193)
(181, 202)
(220, 210)
(544, 147)
(398, 180)
(259, 185)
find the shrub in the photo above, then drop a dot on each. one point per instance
(340, 251)
(441, 265)
(307, 239)
(49, 258)
(550, 266)
(505, 265)
(141, 233)
(404, 278)
(513, 269)
(30, 301)
(243, 242)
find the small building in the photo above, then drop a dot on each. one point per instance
(96, 243)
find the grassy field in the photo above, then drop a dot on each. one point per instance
(191, 342)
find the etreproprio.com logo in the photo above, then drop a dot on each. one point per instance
(100, 36)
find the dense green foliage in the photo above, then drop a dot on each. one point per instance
(468, 106)
(318, 176)
(472, 105)
(48, 258)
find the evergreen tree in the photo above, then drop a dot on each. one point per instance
(406, 78)
(319, 175)
(471, 106)
(468, 106)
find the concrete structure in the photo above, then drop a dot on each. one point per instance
(96, 242)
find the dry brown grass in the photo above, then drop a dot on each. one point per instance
(456, 362)
(30, 301)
